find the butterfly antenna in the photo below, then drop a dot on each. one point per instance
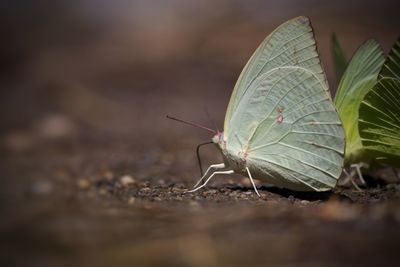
(198, 155)
(210, 119)
(192, 124)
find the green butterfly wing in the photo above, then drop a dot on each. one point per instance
(391, 68)
(379, 119)
(339, 59)
(360, 76)
(291, 44)
(282, 120)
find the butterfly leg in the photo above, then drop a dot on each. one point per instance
(209, 178)
(213, 166)
(358, 167)
(252, 182)
(350, 177)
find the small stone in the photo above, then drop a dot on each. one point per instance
(144, 184)
(102, 192)
(108, 175)
(83, 184)
(157, 199)
(145, 190)
(304, 202)
(177, 190)
(180, 185)
(243, 196)
(131, 200)
(126, 180)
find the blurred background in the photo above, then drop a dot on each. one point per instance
(121, 66)
(85, 88)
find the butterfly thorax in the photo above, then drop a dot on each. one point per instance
(235, 161)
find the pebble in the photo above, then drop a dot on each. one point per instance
(83, 183)
(304, 202)
(102, 192)
(145, 190)
(144, 184)
(177, 190)
(243, 196)
(126, 180)
(131, 200)
(108, 175)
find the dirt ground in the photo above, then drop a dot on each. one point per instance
(101, 202)
(93, 174)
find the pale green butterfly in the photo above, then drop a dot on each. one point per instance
(281, 125)
(367, 103)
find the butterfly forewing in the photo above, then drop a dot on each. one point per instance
(291, 44)
(360, 76)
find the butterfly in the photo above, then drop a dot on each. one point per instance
(281, 125)
(367, 100)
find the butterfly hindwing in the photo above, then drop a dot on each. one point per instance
(379, 119)
(391, 68)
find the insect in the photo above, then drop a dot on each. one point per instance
(281, 125)
(367, 100)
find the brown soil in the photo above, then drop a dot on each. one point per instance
(98, 202)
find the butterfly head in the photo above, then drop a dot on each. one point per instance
(218, 139)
